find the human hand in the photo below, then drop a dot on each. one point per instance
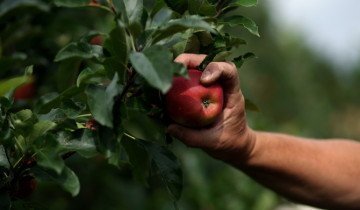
(229, 138)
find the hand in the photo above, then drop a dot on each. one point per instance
(229, 138)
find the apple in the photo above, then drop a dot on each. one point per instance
(191, 104)
(25, 187)
(25, 92)
(96, 40)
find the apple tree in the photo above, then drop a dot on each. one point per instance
(108, 100)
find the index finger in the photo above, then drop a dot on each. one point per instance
(190, 60)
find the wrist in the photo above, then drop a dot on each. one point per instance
(243, 149)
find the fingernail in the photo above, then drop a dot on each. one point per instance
(205, 75)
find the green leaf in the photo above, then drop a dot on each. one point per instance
(101, 101)
(8, 85)
(202, 7)
(239, 61)
(114, 65)
(4, 162)
(134, 10)
(141, 126)
(168, 166)
(85, 146)
(161, 17)
(90, 75)
(117, 45)
(51, 101)
(39, 129)
(179, 25)
(179, 6)
(72, 3)
(82, 50)
(109, 145)
(5, 201)
(247, 3)
(120, 9)
(67, 73)
(67, 179)
(138, 157)
(247, 23)
(163, 160)
(49, 158)
(156, 66)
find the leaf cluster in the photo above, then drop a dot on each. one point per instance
(110, 101)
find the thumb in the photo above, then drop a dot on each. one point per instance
(188, 136)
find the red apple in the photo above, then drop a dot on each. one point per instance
(191, 104)
(25, 91)
(97, 40)
(25, 187)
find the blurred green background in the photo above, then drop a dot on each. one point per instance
(298, 92)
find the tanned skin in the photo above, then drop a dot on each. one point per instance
(322, 173)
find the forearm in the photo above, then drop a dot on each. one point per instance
(320, 173)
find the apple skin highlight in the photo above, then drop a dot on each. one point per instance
(191, 104)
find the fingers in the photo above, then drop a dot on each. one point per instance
(224, 72)
(190, 60)
(187, 135)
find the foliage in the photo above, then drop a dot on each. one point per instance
(105, 99)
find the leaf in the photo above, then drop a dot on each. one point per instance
(79, 50)
(239, 61)
(117, 45)
(89, 76)
(8, 85)
(161, 17)
(247, 3)
(101, 101)
(113, 65)
(72, 3)
(4, 162)
(109, 144)
(164, 161)
(47, 153)
(50, 159)
(134, 10)
(156, 66)
(143, 127)
(39, 129)
(168, 166)
(179, 6)
(67, 73)
(138, 157)
(202, 7)
(85, 146)
(247, 23)
(67, 179)
(51, 101)
(179, 25)
(120, 9)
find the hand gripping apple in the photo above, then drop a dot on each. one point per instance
(192, 104)
(228, 136)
